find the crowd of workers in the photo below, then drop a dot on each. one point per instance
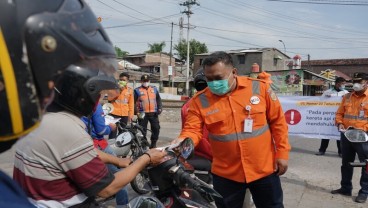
(58, 71)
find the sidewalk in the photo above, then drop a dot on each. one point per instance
(307, 183)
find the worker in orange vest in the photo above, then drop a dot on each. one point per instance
(248, 134)
(124, 102)
(148, 101)
(353, 113)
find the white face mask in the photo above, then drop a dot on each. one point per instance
(358, 87)
(145, 84)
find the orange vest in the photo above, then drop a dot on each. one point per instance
(146, 101)
(353, 111)
(239, 155)
(124, 104)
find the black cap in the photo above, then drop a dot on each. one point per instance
(144, 77)
(360, 76)
(339, 80)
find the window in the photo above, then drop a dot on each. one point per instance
(241, 59)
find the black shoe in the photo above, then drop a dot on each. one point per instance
(153, 144)
(320, 153)
(341, 191)
(361, 198)
(340, 155)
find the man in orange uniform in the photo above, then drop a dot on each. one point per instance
(353, 112)
(247, 132)
(124, 103)
(148, 101)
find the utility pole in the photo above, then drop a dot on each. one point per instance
(170, 66)
(188, 12)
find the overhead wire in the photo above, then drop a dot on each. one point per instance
(336, 3)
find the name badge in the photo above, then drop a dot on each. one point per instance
(248, 125)
(361, 113)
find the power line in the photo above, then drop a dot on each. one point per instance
(336, 3)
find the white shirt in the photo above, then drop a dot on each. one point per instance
(333, 92)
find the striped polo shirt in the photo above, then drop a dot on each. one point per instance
(57, 165)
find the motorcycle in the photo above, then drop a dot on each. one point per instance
(357, 136)
(174, 186)
(130, 141)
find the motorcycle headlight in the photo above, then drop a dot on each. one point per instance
(123, 139)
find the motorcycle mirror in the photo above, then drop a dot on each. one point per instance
(186, 148)
(356, 135)
(107, 108)
(141, 115)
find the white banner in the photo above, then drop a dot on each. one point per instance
(311, 117)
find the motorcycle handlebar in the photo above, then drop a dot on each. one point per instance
(181, 177)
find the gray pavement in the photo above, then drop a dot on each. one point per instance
(307, 183)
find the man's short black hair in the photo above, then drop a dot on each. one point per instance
(124, 74)
(219, 56)
(339, 80)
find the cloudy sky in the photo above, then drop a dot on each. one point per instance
(324, 29)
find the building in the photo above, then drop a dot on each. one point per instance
(268, 59)
(157, 66)
(344, 66)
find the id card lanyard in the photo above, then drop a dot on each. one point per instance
(361, 111)
(248, 122)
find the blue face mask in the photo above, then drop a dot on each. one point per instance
(342, 87)
(220, 87)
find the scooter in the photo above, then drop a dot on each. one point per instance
(357, 136)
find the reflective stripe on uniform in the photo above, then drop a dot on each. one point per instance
(355, 117)
(204, 101)
(255, 87)
(102, 132)
(239, 135)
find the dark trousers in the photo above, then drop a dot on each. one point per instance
(349, 150)
(324, 145)
(266, 192)
(123, 122)
(155, 125)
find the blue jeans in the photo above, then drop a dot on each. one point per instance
(266, 192)
(348, 150)
(122, 195)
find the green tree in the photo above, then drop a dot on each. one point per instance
(195, 47)
(156, 47)
(120, 53)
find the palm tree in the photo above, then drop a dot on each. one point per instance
(156, 47)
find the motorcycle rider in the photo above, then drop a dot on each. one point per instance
(39, 41)
(97, 128)
(203, 154)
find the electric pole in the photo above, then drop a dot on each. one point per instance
(170, 64)
(188, 12)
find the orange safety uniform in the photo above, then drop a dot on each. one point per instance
(237, 155)
(146, 99)
(124, 103)
(353, 111)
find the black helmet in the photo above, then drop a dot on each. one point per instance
(78, 88)
(200, 80)
(39, 40)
